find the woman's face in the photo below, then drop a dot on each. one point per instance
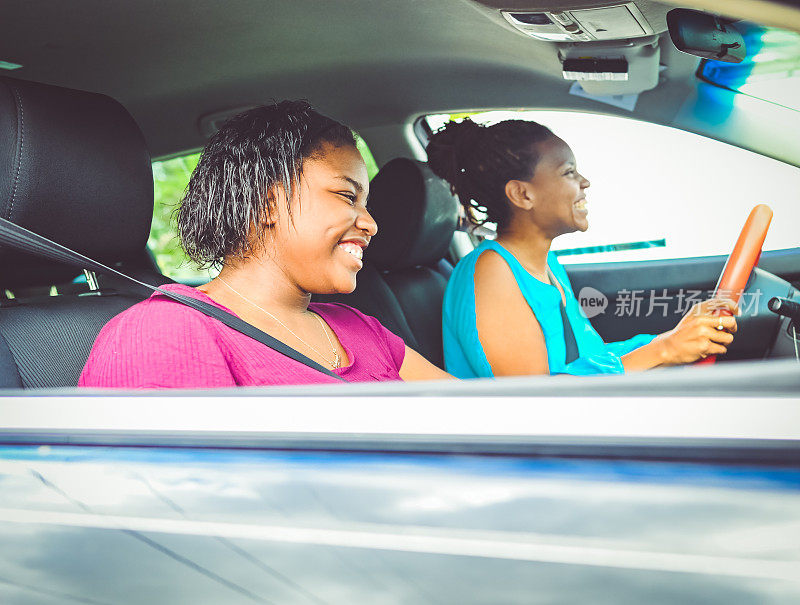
(320, 247)
(558, 190)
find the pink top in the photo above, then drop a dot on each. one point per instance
(161, 343)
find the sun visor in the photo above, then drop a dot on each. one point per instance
(611, 70)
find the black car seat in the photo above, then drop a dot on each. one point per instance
(74, 168)
(405, 271)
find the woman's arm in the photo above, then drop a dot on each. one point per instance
(646, 357)
(510, 335)
(416, 367)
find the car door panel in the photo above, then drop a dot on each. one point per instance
(652, 296)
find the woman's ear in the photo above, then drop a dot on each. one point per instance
(267, 217)
(520, 194)
(261, 226)
(269, 212)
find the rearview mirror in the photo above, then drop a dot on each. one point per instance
(705, 35)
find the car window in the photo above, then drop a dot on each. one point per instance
(658, 192)
(170, 178)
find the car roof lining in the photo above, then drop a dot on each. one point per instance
(368, 64)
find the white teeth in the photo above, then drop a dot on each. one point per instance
(581, 205)
(353, 249)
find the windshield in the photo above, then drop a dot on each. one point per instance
(770, 71)
(646, 179)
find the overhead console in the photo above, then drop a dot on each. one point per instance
(623, 20)
(610, 47)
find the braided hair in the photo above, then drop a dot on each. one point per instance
(477, 161)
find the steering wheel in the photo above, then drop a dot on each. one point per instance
(740, 263)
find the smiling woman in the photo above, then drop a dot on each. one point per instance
(170, 178)
(509, 308)
(278, 202)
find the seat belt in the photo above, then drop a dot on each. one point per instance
(569, 337)
(19, 238)
(571, 344)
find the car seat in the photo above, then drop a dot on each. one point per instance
(74, 168)
(405, 271)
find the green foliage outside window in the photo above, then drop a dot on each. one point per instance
(170, 178)
(372, 166)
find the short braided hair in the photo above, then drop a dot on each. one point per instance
(477, 161)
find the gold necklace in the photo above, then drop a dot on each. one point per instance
(337, 361)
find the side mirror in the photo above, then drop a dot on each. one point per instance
(705, 35)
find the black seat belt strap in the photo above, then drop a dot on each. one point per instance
(571, 344)
(14, 236)
(569, 337)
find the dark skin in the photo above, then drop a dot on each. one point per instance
(316, 249)
(550, 204)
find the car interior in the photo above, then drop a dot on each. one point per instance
(677, 485)
(101, 89)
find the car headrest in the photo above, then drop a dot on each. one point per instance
(74, 168)
(416, 215)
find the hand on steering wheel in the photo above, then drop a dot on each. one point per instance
(741, 261)
(703, 331)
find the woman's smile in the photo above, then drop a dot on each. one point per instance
(354, 250)
(322, 243)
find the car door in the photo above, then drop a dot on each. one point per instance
(622, 299)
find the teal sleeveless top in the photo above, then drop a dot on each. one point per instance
(463, 353)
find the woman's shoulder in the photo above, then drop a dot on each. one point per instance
(492, 263)
(495, 276)
(158, 343)
(465, 269)
(488, 252)
(478, 252)
(491, 260)
(160, 315)
(166, 304)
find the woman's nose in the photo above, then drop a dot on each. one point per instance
(584, 182)
(366, 223)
